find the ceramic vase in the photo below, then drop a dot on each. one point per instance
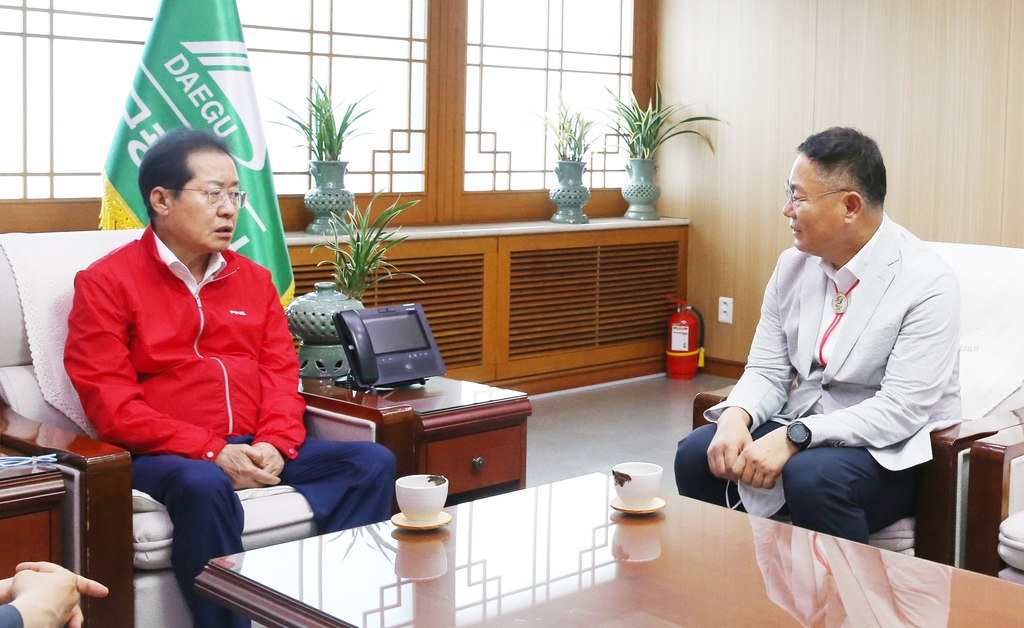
(641, 191)
(311, 319)
(328, 195)
(570, 195)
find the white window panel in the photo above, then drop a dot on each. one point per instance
(83, 116)
(57, 122)
(11, 187)
(12, 114)
(521, 58)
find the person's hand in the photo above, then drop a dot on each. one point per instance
(5, 591)
(761, 462)
(237, 462)
(731, 437)
(269, 459)
(47, 595)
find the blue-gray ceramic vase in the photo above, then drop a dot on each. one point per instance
(328, 195)
(570, 195)
(641, 191)
(311, 320)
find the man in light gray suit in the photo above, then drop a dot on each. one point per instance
(856, 356)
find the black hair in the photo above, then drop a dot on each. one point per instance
(848, 154)
(165, 164)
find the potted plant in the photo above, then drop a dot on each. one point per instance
(357, 265)
(325, 135)
(643, 131)
(570, 132)
(362, 264)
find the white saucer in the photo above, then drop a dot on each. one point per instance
(654, 506)
(442, 520)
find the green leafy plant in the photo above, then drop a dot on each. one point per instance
(361, 264)
(644, 130)
(325, 134)
(570, 132)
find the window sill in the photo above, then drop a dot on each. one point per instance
(504, 229)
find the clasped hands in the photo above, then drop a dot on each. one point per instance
(735, 455)
(251, 466)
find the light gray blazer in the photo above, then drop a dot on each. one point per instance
(894, 373)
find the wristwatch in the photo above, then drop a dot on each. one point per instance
(798, 434)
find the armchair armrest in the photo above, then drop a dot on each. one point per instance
(705, 400)
(104, 508)
(992, 492)
(338, 410)
(330, 425)
(942, 483)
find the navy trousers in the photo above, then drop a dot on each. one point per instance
(840, 491)
(347, 484)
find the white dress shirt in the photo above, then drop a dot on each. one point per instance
(213, 268)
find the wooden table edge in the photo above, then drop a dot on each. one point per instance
(267, 606)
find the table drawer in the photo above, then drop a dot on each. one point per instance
(501, 452)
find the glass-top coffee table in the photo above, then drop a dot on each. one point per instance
(558, 555)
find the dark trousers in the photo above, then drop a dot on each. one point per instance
(347, 484)
(840, 491)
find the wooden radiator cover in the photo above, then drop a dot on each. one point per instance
(539, 312)
(451, 295)
(564, 299)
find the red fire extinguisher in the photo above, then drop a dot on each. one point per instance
(685, 341)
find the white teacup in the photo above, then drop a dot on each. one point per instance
(636, 483)
(421, 497)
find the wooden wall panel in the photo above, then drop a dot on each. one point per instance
(751, 64)
(939, 84)
(927, 80)
(1012, 227)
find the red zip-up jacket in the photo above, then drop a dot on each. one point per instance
(162, 371)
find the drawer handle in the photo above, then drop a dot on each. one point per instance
(479, 462)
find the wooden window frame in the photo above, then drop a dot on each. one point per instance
(444, 201)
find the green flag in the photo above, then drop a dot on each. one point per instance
(195, 72)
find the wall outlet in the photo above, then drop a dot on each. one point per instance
(725, 310)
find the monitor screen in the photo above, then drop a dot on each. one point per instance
(392, 334)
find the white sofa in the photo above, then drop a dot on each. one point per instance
(98, 476)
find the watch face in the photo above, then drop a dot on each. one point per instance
(798, 434)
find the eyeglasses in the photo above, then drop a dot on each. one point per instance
(795, 200)
(216, 197)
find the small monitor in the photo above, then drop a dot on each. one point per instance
(389, 346)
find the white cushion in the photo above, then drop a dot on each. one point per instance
(274, 514)
(20, 390)
(1011, 540)
(899, 537)
(13, 339)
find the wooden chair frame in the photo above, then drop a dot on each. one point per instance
(989, 505)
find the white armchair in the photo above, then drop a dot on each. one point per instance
(112, 534)
(952, 492)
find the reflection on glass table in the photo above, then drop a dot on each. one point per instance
(558, 555)
(497, 556)
(823, 581)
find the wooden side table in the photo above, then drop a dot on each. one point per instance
(473, 434)
(30, 515)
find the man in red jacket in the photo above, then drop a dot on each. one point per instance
(180, 352)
